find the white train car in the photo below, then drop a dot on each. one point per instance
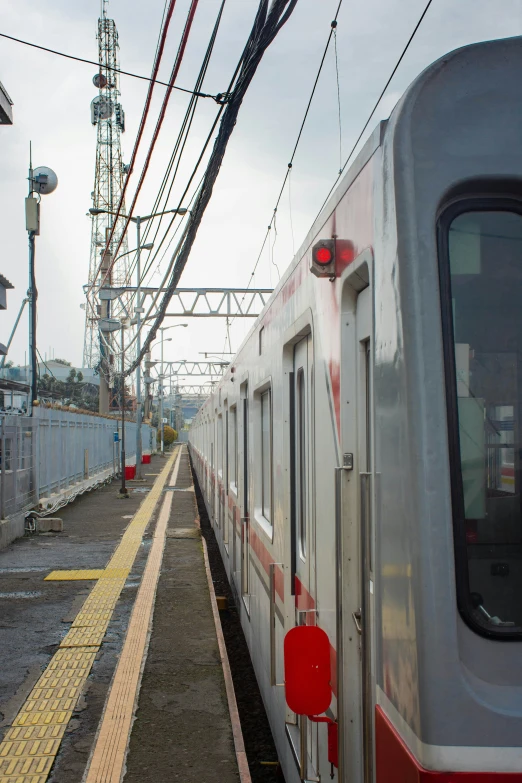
(361, 458)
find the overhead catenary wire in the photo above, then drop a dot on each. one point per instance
(354, 147)
(217, 97)
(333, 27)
(268, 22)
(379, 99)
(338, 98)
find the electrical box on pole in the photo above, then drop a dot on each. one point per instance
(32, 215)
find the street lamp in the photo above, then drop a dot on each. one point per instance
(108, 325)
(139, 219)
(146, 246)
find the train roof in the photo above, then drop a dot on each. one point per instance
(410, 120)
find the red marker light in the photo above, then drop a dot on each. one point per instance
(323, 255)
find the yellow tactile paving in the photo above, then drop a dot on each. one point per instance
(107, 761)
(25, 718)
(67, 576)
(30, 745)
(86, 636)
(59, 692)
(43, 747)
(92, 617)
(87, 574)
(26, 765)
(53, 731)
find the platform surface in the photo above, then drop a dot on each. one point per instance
(111, 667)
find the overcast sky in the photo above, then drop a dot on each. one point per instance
(52, 108)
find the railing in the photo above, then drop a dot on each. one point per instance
(54, 450)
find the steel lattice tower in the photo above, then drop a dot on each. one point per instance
(107, 114)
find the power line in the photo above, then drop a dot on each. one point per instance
(359, 137)
(184, 132)
(159, 123)
(183, 197)
(146, 108)
(217, 98)
(179, 147)
(267, 24)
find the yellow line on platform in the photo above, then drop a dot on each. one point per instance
(29, 747)
(96, 573)
(107, 762)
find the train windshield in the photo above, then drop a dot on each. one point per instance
(484, 348)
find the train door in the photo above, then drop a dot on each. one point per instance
(225, 483)
(305, 740)
(245, 502)
(219, 482)
(355, 675)
(364, 447)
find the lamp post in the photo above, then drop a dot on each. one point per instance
(138, 220)
(112, 325)
(162, 429)
(123, 489)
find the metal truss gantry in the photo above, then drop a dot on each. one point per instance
(191, 393)
(198, 302)
(185, 368)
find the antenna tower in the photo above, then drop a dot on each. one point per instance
(108, 116)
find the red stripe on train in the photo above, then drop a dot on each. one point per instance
(304, 602)
(396, 763)
(266, 559)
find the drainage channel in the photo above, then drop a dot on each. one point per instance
(259, 744)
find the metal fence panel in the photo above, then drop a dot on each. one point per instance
(54, 450)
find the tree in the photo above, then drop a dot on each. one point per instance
(169, 435)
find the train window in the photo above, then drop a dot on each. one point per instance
(220, 446)
(481, 285)
(233, 445)
(266, 455)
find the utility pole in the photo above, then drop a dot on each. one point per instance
(139, 444)
(123, 490)
(32, 294)
(41, 182)
(161, 397)
(105, 356)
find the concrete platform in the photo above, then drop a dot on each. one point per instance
(137, 568)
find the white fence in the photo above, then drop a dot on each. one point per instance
(55, 450)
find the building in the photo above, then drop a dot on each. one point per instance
(6, 112)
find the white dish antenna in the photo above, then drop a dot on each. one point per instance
(44, 180)
(101, 109)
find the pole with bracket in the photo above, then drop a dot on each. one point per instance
(123, 489)
(139, 444)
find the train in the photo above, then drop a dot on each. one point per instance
(361, 457)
